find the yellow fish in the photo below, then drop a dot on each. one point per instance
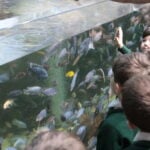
(70, 74)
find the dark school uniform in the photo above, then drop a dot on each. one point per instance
(113, 132)
(141, 142)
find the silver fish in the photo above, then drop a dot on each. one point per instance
(63, 53)
(81, 132)
(102, 74)
(80, 112)
(49, 91)
(42, 114)
(73, 82)
(34, 90)
(90, 76)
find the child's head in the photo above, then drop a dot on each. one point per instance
(55, 140)
(136, 101)
(145, 44)
(128, 65)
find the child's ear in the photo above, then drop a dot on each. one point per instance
(131, 125)
(117, 88)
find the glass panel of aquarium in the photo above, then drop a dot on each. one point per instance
(31, 27)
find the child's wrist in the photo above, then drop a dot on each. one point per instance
(120, 45)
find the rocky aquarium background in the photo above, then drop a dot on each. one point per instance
(66, 87)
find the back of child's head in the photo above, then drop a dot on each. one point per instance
(136, 101)
(146, 32)
(127, 65)
(55, 140)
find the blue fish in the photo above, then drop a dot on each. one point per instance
(41, 115)
(38, 70)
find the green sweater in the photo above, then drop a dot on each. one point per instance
(124, 50)
(139, 145)
(114, 133)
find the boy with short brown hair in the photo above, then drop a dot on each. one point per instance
(136, 104)
(128, 65)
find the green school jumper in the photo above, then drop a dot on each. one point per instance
(124, 50)
(139, 145)
(114, 133)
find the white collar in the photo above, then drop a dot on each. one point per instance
(142, 136)
(115, 103)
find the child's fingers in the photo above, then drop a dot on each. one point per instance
(117, 33)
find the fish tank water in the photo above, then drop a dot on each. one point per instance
(55, 68)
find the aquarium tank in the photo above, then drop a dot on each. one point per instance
(55, 65)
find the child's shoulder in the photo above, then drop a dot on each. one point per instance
(114, 117)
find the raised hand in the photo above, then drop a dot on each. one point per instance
(119, 37)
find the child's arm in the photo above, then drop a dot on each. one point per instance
(124, 50)
(119, 41)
